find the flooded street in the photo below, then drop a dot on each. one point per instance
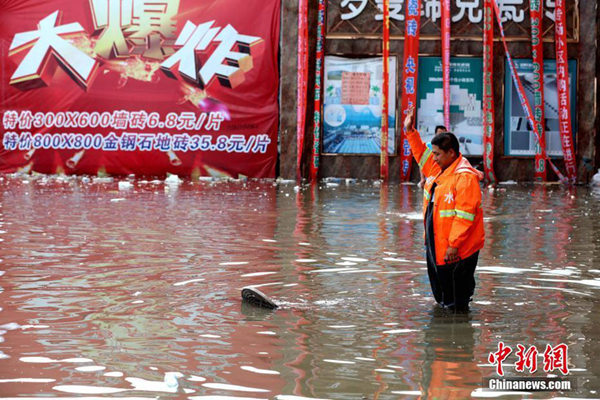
(131, 289)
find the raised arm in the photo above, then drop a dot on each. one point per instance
(420, 151)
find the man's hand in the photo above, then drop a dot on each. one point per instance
(451, 255)
(408, 120)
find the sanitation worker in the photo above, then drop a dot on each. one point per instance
(453, 216)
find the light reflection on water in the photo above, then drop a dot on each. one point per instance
(136, 292)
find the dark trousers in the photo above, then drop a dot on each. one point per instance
(453, 284)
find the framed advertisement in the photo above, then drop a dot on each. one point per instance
(519, 139)
(352, 105)
(466, 108)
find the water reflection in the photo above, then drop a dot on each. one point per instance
(133, 288)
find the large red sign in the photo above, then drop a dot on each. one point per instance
(142, 86)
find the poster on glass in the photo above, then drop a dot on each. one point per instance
(353, 104)
(519, 139)
(466, 107)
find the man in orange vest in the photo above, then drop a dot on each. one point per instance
(453, 216)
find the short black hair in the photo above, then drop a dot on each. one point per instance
(446, 141)
(441, 127)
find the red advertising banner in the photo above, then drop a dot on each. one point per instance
(446, 60)
(302, 82)
(142, 87)
(537, 53)
(562, 82)
(522, 97)
(410, 69)
(488, 91)
(384, 161)
(314, 167)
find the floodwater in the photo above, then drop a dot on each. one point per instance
(131, 289)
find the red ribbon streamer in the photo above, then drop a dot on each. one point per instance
(522, 97)
(562, 80)
(302, 82)
(410, 68)
(384, 161)
(446, 60)
(488, 91)
(537, 53)
(314, 168)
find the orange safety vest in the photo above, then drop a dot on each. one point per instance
(457, 213)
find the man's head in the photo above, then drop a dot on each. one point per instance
(445, 150)
(440, 129)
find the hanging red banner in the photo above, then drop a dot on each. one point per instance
(384, 161)
(488, 91)
(522, 97)
(562, 82)
(181, 87)
(446, 60)
(314, 167)
(410, 68)
(302, 82)
(537, 53)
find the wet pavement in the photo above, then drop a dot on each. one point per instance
(131, 289)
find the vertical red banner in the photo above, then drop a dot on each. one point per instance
(537, 55)
(384, 161)
(488, 91)
(314, 168)
(562, 80)
(446, 60)
(410, 68)
(302, 82)
(522, 97)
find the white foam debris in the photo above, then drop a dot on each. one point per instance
(316, 271)
(306, 260)
(393, 331)
(506, 270)
(342, 326)
(90, 368)
(125, 185)
(234, 388)
(27, 380)
(269, 333)
(384, 370)
(407, 392)
(209, 336)
(258, 370)
(189, 281)
(234, 263)
(396, 259)
(269, 240)
(194, 378)
(114, 374)
(354, 259)
(364, 359)
(346, 263)
(116, 200)
(81, 389)
(328, 360)
(257, 274)
(173, 180)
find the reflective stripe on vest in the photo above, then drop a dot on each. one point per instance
(426, 195)
(424, 157)
(457, 213)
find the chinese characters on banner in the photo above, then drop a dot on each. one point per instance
(472, 10)
(144, 87)
(537, 52)
(562, 81)
(410, 68)
(488, 92)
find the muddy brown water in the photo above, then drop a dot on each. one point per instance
(131, 289)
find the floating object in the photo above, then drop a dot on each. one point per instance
(257, 298)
